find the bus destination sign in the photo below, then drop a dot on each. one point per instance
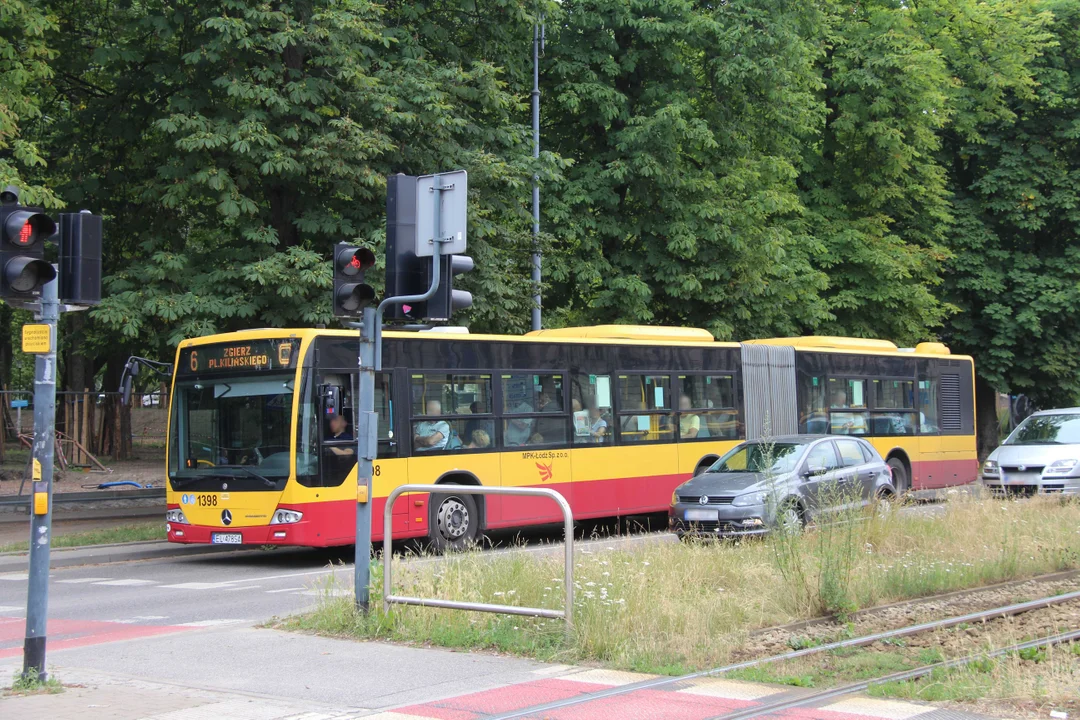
(255, 355)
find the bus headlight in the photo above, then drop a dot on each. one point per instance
(285, 517)
(176, 516)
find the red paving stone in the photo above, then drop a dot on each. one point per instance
(502, 700)
(64, 634)
(639, 704)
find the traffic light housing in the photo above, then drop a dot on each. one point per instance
(80, 258)
(406, 274)
(351, 293)
(23, 232)
(446, 300)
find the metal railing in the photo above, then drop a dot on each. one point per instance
(566, 614)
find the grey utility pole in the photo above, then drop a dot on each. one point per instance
(538, 44)
(37, 601)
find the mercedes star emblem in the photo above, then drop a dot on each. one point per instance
(226, 517)
(703, 500)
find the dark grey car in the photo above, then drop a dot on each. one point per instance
(790, 480)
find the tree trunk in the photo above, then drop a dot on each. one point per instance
(987, 427)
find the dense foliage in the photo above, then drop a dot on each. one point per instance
(906, 170)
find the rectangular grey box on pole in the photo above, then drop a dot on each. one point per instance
(454, 190)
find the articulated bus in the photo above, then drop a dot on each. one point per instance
(261, 447)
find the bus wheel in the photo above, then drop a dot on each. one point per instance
(899, 475)
(455, 521)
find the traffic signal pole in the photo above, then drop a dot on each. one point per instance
(367, 438)
(37, 601)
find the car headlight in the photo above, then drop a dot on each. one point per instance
(176, 516)
(754, 498)
(990, 467)
(284, 517)
(1060, 467)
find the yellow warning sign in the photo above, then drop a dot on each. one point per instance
(37, 469)
(36, 339)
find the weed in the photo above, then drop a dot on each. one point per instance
(802, 642)
(1032, 654)
(136, 532)
(30, 685)
(895, 642)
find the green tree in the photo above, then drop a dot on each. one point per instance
(1014, 274)
(685, 124)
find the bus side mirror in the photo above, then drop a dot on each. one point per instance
(131, 370)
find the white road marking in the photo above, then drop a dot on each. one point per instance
(15, 576)
(210, 623)
(151, 617)
(243, 587)
(11, 608)
(127, 581)
(199, 585)
(288, 589)
(79, 581)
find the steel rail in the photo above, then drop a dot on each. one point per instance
(901, 676)
(89, 497)
(980, 616)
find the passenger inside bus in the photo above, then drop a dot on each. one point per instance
(849, 423)
(479, 439)
(519, 431)
(597, 426)
(689, 424)
(431, 434)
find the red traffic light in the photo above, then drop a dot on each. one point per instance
(24, 228)
(353, 260)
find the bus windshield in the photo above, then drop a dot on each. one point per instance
(239, 423)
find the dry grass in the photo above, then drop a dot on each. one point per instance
(669, 607)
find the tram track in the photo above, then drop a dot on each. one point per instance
(967, 619)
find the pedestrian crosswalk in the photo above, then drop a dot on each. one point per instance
(245, 584)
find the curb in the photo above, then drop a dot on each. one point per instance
(118, 552)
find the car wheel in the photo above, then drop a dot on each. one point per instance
(899, 475)
(884, 503)
(455, 522)
(789, 519)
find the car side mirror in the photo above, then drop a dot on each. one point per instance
(814, 470)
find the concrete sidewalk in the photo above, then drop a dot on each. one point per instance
(248, 673)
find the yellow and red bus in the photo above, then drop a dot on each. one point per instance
(261, 449)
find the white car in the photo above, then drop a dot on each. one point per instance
(1042, 455)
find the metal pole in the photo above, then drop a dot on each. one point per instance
(37, 599)
(536, 276)
(367, 439)
(367, 443)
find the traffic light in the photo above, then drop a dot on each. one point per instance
(446, 300)
(351, 293)
(406, 274)
(80, 258)
(23, 231)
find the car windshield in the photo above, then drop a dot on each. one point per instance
(1061, 429)
(241, 423)
(759, 458)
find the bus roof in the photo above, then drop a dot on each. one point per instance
(608, 334)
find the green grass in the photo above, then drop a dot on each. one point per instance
(28, 685)
(136, 532)
(671, 607)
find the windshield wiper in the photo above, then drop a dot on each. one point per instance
(267, 481)
(182, 481)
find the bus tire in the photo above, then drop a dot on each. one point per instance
(455, 522)
(899, 475)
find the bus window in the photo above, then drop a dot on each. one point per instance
(898, 396)
(307, 436)
(847, 407)
(536, 403)
(707, 407)
(644, 409)
(339, 431)
(590, 401)
(813, 415)
(451, 412)
(928, 407)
